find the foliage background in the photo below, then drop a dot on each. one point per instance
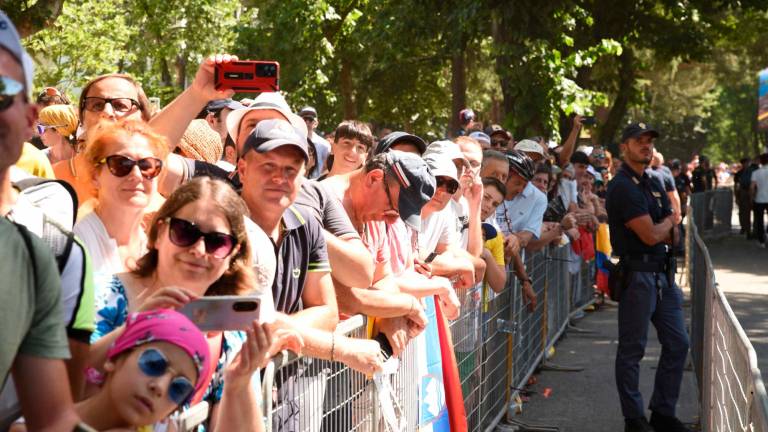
(689, 67)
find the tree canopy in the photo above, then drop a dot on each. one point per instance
(689, 67)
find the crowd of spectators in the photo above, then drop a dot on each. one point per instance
(213, 197)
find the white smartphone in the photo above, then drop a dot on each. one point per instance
(223, 312)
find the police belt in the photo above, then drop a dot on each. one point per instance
(645, 263)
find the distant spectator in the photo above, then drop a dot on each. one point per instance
(500, 138)
(759, 189)
(57, 125)
(351, 143)
(466, 121)
(482, 138)
(703, 176)
(51, 96)
(741, 184)
(322, 147)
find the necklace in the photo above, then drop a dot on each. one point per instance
(72, 167)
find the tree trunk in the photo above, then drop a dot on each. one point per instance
(458, 88)
(181, 71)
(165, 73)
(624, 95)
(39, 16)
(502, 40)
(347, 91)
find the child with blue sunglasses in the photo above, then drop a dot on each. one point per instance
(152, 369)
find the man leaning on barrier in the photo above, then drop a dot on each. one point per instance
(642, 227)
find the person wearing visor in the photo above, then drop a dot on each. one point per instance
(643, 229)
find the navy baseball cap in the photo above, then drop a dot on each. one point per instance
(635, 130)
(399, 137)
(417, 185)
(271, 134)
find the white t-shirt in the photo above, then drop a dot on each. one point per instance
(263, 256)
(461, 216)
(568, 192)
(760, 178)
(439, 227)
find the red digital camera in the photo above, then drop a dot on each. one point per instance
(248, 76)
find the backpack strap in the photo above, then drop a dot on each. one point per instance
(31, 182)
(59, 239)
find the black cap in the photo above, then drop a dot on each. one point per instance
(399, 137)
(219, 104)
(273, 133)
(634, 130)
(417, 185)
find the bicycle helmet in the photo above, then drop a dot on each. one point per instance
(520, 163)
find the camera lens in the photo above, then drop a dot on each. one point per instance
(245, 306)
(267, 70)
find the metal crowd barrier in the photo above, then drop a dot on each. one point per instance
(712, 210)
(498, 344)
(733, 396)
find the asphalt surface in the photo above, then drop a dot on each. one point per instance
(587, 401)
(741, 271)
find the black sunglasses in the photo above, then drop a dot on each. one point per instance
(154, 364)
(121, 105)
(451, 185)
(9, 88)
(121, 166)
(184, 233)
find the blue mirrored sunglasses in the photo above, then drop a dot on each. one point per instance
(153, 363)
(9, 88)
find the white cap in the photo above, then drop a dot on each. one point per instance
(447, 149)
(529, 146)
(265, 101)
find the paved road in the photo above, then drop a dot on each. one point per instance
(587, 401)
(741, 271)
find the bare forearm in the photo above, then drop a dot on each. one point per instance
(173, 120)
(352, 264)
(475, 234)
(569, 146)
(319, 317)
(495, 274)
(238, 410)
(373, 302)
(419, 285)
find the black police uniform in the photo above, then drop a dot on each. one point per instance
(649, 294)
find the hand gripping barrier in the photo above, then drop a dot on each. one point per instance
(498, 344)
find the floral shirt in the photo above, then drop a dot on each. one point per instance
(112, 311)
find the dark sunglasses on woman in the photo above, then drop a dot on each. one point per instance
(9, 88)
(121, 166)
(121, 105)
(184, 233)
(154, 364)
(450, 185)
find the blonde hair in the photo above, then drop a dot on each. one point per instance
(63, 116)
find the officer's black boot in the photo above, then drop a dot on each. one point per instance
(662, 423)
(638, 425)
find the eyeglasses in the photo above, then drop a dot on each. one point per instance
(154, 364)
(121, 166)
(451, 186)
(389, 197)
(184, 234)
(41, 128)
(121, 105)
(9, 88)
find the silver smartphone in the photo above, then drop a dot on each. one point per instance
(223, 312)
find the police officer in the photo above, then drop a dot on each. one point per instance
(642, 227)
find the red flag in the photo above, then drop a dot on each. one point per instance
(454, 399)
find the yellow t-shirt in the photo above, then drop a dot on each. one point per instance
(496, 246)
(35, 162)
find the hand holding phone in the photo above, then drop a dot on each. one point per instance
(248, 76)
(588, 121)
